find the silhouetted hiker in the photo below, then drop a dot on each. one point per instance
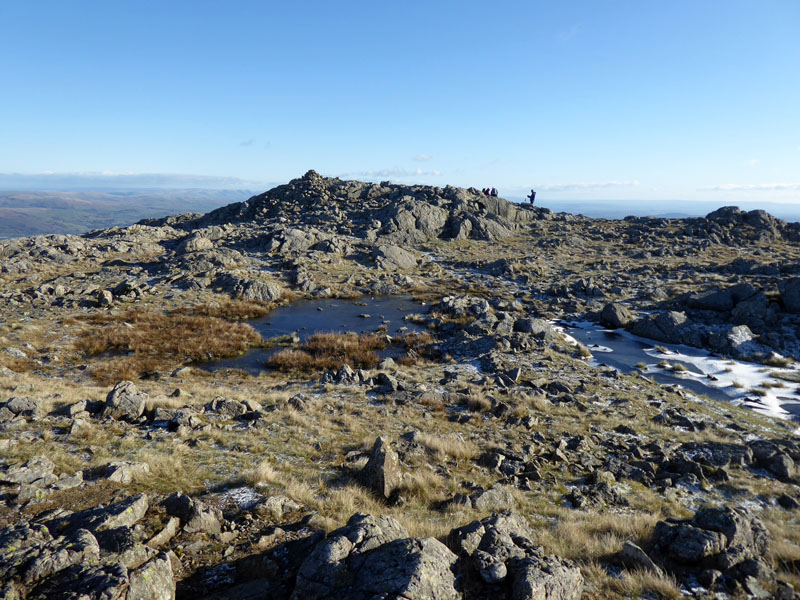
(494, 192)
(532, 196)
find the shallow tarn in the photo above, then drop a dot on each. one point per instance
(304, 318)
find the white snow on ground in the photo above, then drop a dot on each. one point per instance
(751, 385)
(240, 497)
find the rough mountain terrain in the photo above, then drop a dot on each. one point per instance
(490, 458)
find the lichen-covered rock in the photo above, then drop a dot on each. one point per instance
(546, 578)
(153, 580)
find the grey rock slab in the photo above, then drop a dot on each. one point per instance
(546, 578)
(153, 580)
(79, 548)
(494, 499)
(83, 582)
(126, 472)
(634, 555)
(27, 407)
(166, 534)
(36, 468)
(392, 258)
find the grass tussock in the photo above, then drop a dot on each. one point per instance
(230, 310)
(595, 535)
(636, 583)
(263, 473)
(479, 401)
(149, 341)
(331, 351)
(448, 445)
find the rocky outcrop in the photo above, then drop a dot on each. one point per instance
(388, 212)
(725, 548)
(499, 550)
(374, 557)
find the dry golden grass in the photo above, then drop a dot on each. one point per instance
(263, 473)
(449, 445)
(172, 470)
(594, 535)
(154, 402)
(478, 401)
(331, 351)
(149, 341)
(636, 583)
(230, 310)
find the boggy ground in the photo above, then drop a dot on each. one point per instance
(618, 487)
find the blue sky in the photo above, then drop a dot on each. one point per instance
(642, 100)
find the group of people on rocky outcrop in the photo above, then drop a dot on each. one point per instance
(490, 192)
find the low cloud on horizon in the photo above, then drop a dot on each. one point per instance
(109, 180)
(567, 187)
(752, 187)
(396, 172)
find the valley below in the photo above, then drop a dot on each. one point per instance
(340, 389)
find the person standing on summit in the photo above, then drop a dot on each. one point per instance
(532, 196)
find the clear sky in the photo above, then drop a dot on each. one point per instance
(587, 99)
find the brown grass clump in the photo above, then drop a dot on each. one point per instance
(331, 351)
(151, 340)
(478, 401)
(230, 310)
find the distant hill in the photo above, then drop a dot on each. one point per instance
(27, 213)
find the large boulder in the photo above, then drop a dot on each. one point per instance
(125, 402)
(372, 557)
(719, 538)
(723, 300)
(242, 286)
(153, 580)
(499, 550)
(615, 315)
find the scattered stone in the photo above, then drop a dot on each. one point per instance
(382, 472)
(126, 472)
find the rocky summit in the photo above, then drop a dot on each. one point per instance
(470, 448)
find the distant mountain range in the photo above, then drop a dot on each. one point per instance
(27, 213)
